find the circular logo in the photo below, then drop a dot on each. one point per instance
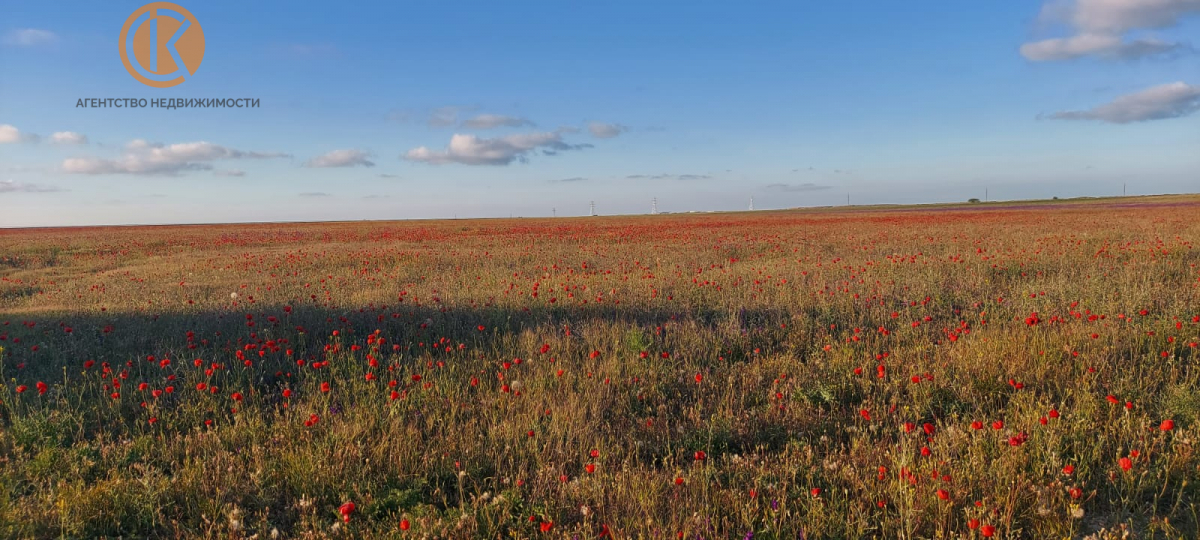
(161, 44)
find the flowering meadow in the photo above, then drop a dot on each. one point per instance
(975, 371)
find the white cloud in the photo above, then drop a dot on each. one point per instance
(230, 172)
(10, 134)
(473, 150)
(489, 121)
(438, 117)
(445, 116)
(668, 177)
(1125, 15)
(315, 194)
(68, 137)
(9, 186)
(142, 157)
(606, 131)
(341, 158)
(1156, 103)
(30, 37)
(1100, 27)
(1102, 45)
(795, 188)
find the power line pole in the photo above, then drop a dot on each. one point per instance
(752, 203)
(593, 208)
(654, 206)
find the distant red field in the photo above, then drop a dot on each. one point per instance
(1000, 370)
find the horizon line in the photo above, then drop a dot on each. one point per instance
(968, 203)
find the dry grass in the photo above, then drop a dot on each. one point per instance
(562, 378)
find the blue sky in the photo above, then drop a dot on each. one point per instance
(396, 110)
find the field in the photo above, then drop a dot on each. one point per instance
(1019, 371)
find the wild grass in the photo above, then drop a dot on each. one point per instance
(829, 374)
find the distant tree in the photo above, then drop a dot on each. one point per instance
(972, 200)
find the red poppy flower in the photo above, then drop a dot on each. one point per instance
(346, 509)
